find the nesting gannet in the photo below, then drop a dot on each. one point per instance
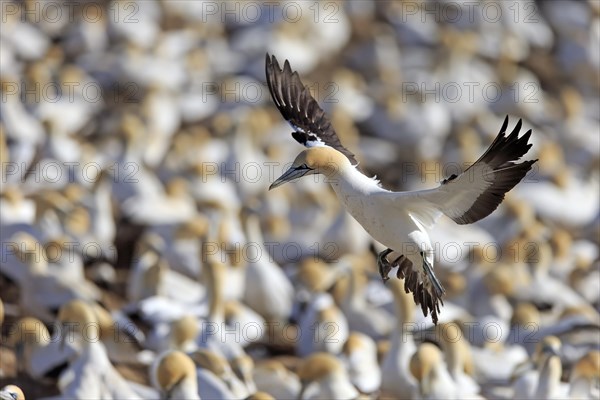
(583, 375)
(216, 377)
(90, 373)
(322, 326)
(213, 335)
(268, 290)
(242, 367)
(273, 377)
(398, 220)
(182, 250)
(181, 334)
(232, 244)
(11, 392)
(261, 396)
(120, 339)
(543, 286)
(362, 316)
(429, 368)
(544, 381)
(147, 269)
(323, 376)
(174, 375)
(459, 358)
(396, 379)
(360, 356)
(162, 115)
(38, 354)
(15, 207)
(173, 205)
(246, 321)
(42, 292)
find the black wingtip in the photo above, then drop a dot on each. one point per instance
(517, 128)
(271, 63)
(287, 68)
(299, 108)
(504, 125)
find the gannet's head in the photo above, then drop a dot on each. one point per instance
(314, 160)
(550, 345)
(183, 331)
(423, 364)
(78, 317)
(28, 331)
(588, 367)
(173, 370)
(12, 392)
(317, 368)
(260, 396)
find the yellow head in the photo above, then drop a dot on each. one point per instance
(12, 392)
(171, 370)
(314, 160)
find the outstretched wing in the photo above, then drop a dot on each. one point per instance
(465, 198)
(300, 109)
(474, 194)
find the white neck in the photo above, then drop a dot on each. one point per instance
(187, 389)
(549, 380)
(580, 388)
(350, 181)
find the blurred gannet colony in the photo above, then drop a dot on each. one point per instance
(143, 256)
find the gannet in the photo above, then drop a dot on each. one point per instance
(398, 220)
(428, 366)
(38, 354)
(243, 368)
(544, 381)
(583, 375)
(90, 374)
(321, 327)
(212, 335)
(362, 315)
(174, 375)
(261, 396)
(323, 376)
(238, 314)
(11, 392)
(267, 289)
(273, 377)
(216, 378)
(121, 338)
(359, 354)
(459, 358)
(396, 379)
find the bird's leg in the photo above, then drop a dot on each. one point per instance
(383, 264)
(428, 268)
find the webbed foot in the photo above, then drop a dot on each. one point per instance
(384, 265)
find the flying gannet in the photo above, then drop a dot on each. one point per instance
(398, 220)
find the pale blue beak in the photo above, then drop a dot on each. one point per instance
(290, 175)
